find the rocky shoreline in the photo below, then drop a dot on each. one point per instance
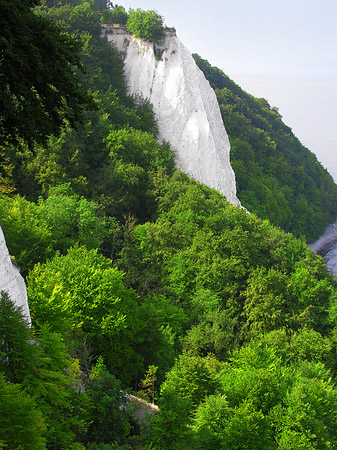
(326, 246)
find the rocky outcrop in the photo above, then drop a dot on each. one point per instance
(326, 246)
(140, 409)
(184, 103)
(11, 281)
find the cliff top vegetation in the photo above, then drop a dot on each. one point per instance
(146, 25)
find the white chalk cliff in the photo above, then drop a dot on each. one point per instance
(11, 281)
(326, 246)
(184, 103)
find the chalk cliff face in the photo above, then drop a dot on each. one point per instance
(326, 246)
(185, 106)
(11, 281)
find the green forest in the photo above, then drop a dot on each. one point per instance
(142, 281)
(277, 177)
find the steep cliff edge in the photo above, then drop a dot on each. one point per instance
(326, 246)
(277, 177)
(184, 103)
(10, 279)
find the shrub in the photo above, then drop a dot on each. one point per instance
(117, 15)
(146, 25)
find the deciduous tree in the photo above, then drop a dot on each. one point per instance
(146, 25)
(40, 93)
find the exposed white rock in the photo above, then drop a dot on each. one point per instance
(184, 103)
(330, 259)
(326, 246)
(11, 281)
(140, 409)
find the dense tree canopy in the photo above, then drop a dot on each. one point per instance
(139, 277)
(277, 177)
(146, 25)
(40, 92)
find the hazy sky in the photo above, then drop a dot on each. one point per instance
(284, 51)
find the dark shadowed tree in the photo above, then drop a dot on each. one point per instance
(15, 351)
(21, 424)
(40, 93)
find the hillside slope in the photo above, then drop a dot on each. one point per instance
(140, 277)
(277, 177)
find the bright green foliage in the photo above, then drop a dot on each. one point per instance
(147, 384)
(139, 148)
(261, 401)
(161, 322)
(233, 319)
(277, 177)
(146, 25)
(234, 275)
(75, 18)
(274, 299)
(50, 384)
(257, 376)
(293, 346)
(211, 420)
(79, 156)
(83, 293)
(72, 219)
(84, 18)
(307, 416)
(39, 89)
(34, 232)
(75, 156)
(217, 425)
(207, 334)
(21, 424)
(193, 377)
(83, 296)
(28, 236)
